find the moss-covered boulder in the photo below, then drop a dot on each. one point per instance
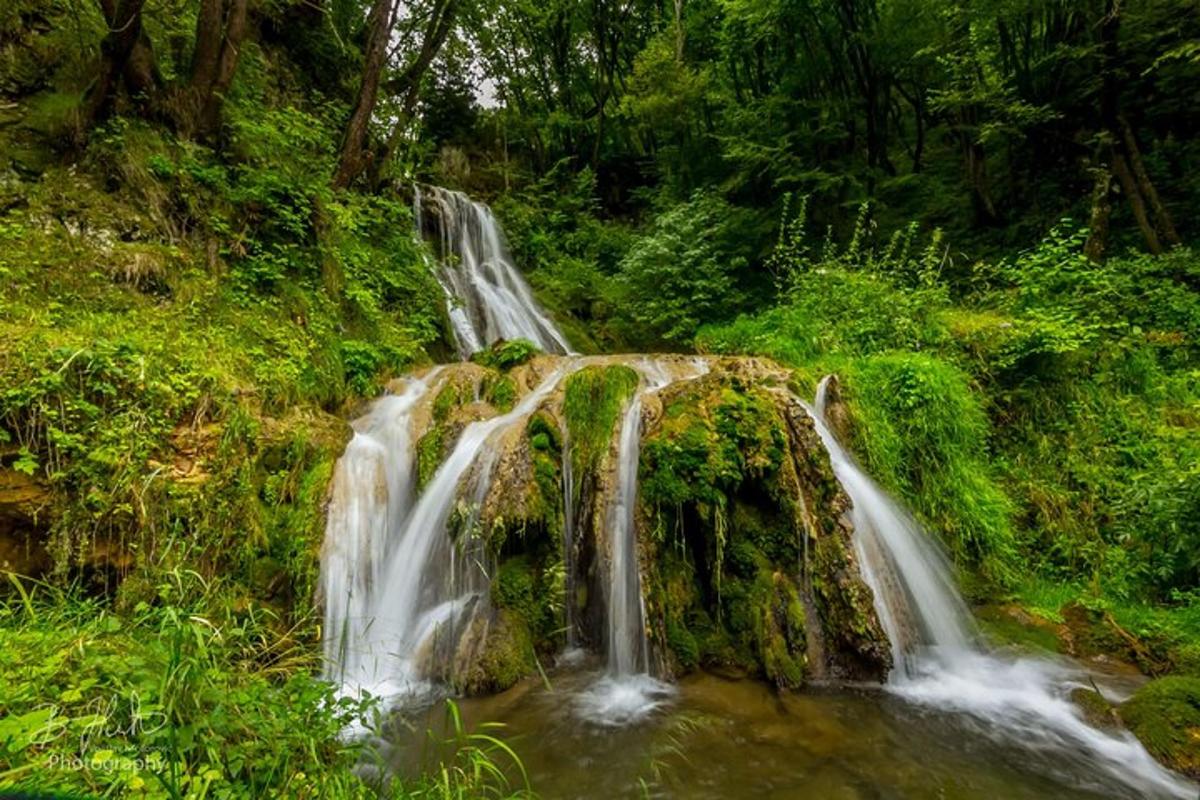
(1165, 715)
(746, 535)
(495, 653)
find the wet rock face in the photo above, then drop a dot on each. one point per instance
(24, 504)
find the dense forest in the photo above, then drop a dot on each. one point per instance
(976, 214)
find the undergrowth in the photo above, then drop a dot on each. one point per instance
(188, 695)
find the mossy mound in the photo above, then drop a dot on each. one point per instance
(746, 539)
(1165, 715)
(504, 655)
(592, 401)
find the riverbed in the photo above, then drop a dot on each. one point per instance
(725, 737)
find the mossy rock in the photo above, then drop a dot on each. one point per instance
(1095, 708)
(1011, 624)
(593, 398)
(781, 632)
(1165, 715)
(431, 450)
(848, 617)
(501, 392)
(505, 355)
(533, 590)
(505, 657)
(714, 434)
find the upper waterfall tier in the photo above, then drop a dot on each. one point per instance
(487, 298)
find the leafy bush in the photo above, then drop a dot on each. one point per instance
(922, 431)
(680, 273)
(504, 355)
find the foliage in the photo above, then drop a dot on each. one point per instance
(593, 399)
(505, 355)
(190, 696)
(680, 273)
(1073, 376)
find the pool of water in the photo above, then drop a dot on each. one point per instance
(719, 737)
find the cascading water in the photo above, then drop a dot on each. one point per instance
(422, 590)
(628, 691)
(397, 590)
(371, 494)
(939, 661)
(487, 297)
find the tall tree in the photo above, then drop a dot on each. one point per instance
(407, 84)
(125, 56)
(1124, 156)
(220, 28)
(354, 155)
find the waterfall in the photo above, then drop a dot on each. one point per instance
(487, 298)
(917, 602)
(627, 651)
(569, 511)
(405, 595)
(419, 592)
(371, 493)
(628, 691)
(939, 659)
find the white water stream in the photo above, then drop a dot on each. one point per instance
(487, 297)
(939, 661)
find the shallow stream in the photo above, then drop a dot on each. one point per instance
(723, 738)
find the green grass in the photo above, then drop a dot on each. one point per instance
(192, 696)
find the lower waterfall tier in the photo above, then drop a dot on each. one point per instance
(738, 538)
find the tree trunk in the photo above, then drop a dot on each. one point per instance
(124, 19)
(1136, 203)
(408, 84)
(1126, 155)
(679, 31)
(354, 157)
(976, 162)
(1163, 223)
(1097, 241)
(220, 28)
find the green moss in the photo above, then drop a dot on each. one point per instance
(430, 452)
(780, 632)
(513, 587)
(544, 428)
(1012, 624)
(448, 398)
(1096, 709)
(683, 645)
(592, 401)
(505, 355)
(846, 605)
(506, 657)
(501, 392)
(531, 589)
(714, 436)
(1165, 715)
